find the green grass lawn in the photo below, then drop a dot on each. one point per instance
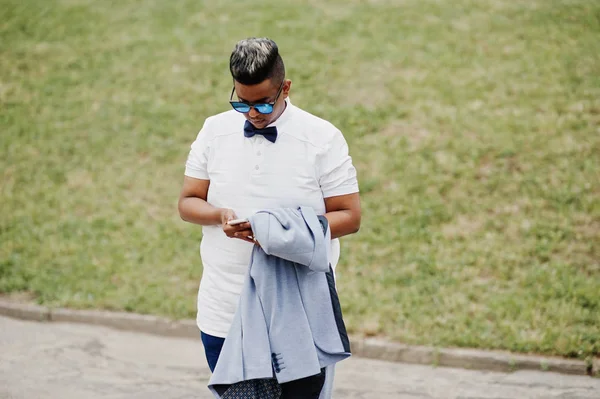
(474, 126)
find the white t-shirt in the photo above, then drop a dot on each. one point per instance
(308, 162)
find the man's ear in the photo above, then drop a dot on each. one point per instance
(286, 88)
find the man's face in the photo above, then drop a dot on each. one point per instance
(264, 92)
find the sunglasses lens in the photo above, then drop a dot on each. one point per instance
(264, 108)
(240, 107)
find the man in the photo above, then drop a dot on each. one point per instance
(265, 153)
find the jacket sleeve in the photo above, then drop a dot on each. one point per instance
(295, 235)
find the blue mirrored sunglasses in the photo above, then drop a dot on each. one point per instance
(244, 108)
(263, 108)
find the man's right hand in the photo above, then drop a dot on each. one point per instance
(241, 231)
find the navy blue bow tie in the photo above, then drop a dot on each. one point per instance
(270, 133)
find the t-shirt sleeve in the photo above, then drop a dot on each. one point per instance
(196, 165)
(337, 175)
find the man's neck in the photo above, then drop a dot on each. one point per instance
(281, 113)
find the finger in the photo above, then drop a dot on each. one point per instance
(229, 230)
(243, 233)
(245, 226)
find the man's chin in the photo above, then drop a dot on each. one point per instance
(259, 124)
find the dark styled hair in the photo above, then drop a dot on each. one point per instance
(255, 59)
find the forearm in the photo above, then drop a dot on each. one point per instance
(196, 210)
(343, 222)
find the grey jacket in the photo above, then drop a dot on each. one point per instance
(288, 324)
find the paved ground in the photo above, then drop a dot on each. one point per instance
(73, 361)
